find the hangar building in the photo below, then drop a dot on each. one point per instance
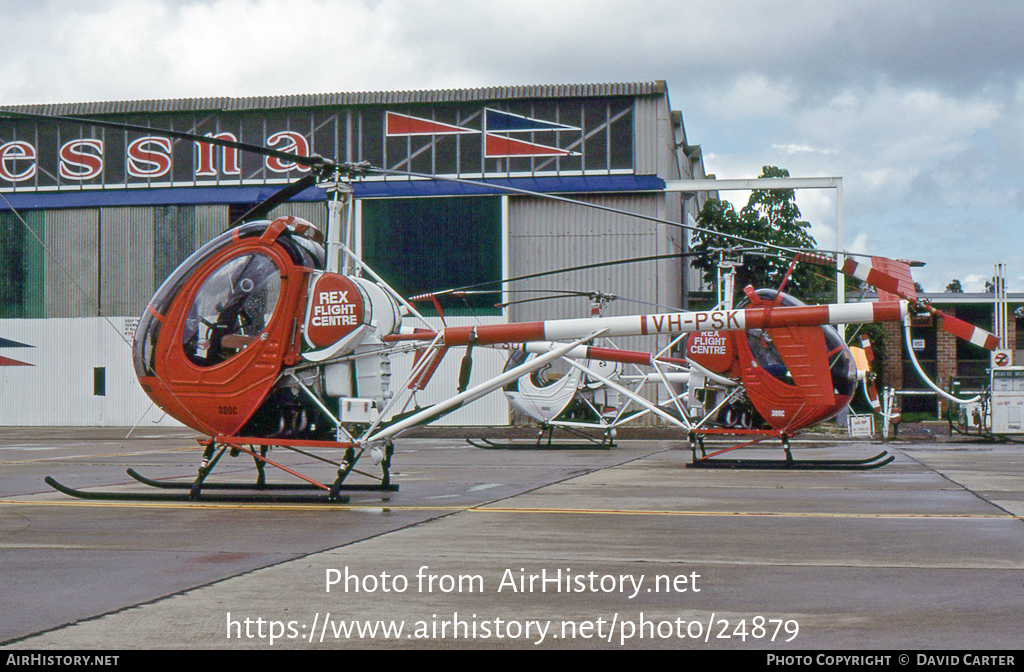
(93, 219)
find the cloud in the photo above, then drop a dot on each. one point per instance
(798, 149)
(975, 282)
(255, 46)
(749, 96)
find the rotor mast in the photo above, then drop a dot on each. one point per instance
(340, 227)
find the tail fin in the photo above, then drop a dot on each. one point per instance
(899, 270)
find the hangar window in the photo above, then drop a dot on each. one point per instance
(423, 245)
(174, 238)
(22, 265)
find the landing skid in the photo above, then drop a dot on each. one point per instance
(880, 460)
(487, 444)
(589, 443)
(172, 485)
(260, 491)
(188, 497)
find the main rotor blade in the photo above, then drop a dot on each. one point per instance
(312, 161)
(280, 196)
(541, 274)
(635, 215)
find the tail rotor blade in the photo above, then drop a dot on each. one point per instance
(967, 331)
(865, 344)
(864, 356)
(861, 360)
(872, 393)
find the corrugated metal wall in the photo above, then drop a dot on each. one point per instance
(490, 410)
(126, 260)
(174, 237)
(649, 127)
(72, 239)
(211, 221)
(660, 149)
(546, 235)
(109, 261)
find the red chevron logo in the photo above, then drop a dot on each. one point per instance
(7, 361)
(403, 124)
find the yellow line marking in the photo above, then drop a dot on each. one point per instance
(224, 506)
(753, 514)
(511, 510)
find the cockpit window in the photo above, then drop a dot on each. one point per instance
(841, 364)
(766, 356)
(232, 308)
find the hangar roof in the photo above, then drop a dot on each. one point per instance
(658, 87)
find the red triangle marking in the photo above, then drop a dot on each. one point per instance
(498, 146)
(6, 361)
(403, 124)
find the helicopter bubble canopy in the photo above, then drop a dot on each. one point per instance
(213, 338)
(301, 249)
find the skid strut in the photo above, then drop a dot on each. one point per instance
(211, 456)
(347, 464)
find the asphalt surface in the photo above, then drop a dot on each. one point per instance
(620, 548)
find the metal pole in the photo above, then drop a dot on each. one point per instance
(840, 277)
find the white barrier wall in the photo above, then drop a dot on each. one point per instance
(57, 386)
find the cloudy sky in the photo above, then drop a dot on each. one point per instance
(918, 106)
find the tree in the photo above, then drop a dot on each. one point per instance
(955, 287)
(770, 216)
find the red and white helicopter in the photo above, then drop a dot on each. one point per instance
(760, 382)
(273, 334)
